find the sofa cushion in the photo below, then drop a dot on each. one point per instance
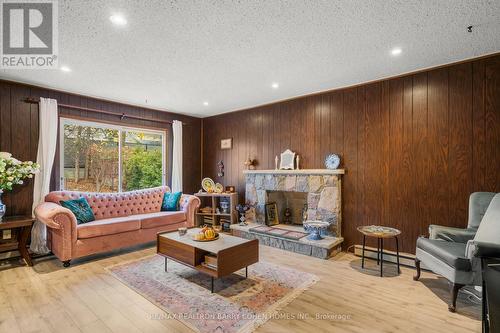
(153, 220)
(111, 226)
(451, 253)
(80, 208)
(170, 201)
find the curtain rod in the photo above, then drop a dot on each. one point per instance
(81, 108)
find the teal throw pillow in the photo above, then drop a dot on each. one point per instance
(171, 201)
(81, 209)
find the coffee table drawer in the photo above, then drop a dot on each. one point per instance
(178, 251)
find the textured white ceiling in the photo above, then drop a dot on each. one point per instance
(174, 55)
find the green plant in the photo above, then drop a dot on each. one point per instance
(143, 169)
(13, 171)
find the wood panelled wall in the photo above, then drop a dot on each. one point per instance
(19, 133)
(414, 147)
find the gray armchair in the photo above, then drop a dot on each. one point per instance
(450, 252)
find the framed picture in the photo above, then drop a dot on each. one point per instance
(272, 214)
(226, 143)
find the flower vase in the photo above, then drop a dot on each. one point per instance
(2, 206)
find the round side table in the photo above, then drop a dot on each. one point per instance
(380, 233)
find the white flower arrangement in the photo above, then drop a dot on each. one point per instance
(13, 171)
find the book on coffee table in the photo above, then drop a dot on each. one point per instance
(211, 260)
(211, 266)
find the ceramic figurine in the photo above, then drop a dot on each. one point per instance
(220, 165)
(276, 163)
(298, 161)
(249, 164)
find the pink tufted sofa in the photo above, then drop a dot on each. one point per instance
(122, 219)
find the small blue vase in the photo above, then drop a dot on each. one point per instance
(2, 206)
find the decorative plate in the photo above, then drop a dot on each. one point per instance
(332, 161)
(219, 188)
(208, 184)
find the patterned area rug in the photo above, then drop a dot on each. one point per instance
(279, 232)
(237, 305)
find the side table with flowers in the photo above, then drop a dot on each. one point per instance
(13, 172)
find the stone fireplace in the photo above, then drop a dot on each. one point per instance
(321, 190)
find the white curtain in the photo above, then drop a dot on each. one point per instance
(177, 157)
(47, 140)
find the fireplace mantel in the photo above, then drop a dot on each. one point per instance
(296, 172)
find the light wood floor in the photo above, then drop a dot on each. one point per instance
(84, 298)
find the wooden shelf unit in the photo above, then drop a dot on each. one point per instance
(213, 200)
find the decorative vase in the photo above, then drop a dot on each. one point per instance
(2, 206)
(224, 205)
(242, 209)
(315, 229)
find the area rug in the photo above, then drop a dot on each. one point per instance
(279, 232)
(238, 305)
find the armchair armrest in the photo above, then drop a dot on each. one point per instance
(475, 261)
(63, 224)
(190, 204)
(451, 234)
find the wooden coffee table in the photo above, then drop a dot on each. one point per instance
(233, 253)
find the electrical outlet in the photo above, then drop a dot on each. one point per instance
(6, 234)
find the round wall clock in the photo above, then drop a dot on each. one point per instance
(332, 161)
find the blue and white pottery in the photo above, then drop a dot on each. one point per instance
(332, 161)
(2, 206)
(315, 229)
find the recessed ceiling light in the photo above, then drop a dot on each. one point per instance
(118, 19)
(275, 85)
(396, 51)
(205, 103)
(65, 69)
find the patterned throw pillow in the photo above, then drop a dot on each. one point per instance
(171, 201)
(81, 209)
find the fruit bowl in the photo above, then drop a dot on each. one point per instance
(206, 239)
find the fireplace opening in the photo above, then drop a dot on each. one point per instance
(290, 206)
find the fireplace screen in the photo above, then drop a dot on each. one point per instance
(289, 206)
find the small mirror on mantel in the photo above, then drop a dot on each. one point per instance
(287, 161)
